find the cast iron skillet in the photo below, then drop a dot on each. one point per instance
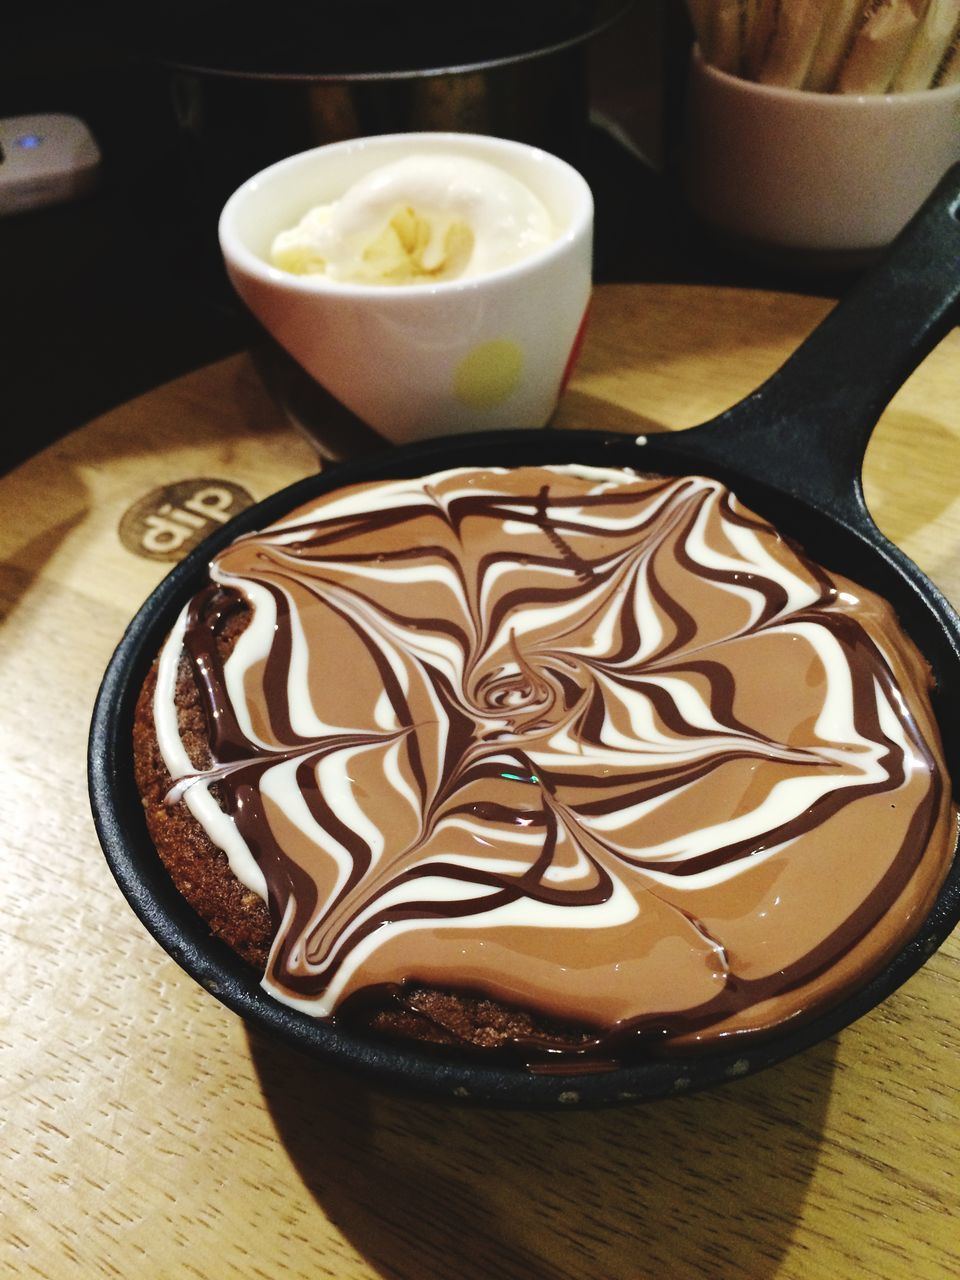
(792, 450)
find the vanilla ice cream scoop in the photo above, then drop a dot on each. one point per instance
(419, 220)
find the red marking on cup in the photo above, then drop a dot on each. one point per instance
(575, 349)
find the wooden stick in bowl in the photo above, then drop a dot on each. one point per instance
(928, 47)
(792, 44)
(879, 45)
(948, 72)
(839, 24)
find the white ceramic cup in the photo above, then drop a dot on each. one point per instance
(419, 360)
(812, 173)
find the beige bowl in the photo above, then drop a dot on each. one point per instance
(822, 174)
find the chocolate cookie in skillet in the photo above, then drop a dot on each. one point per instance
(550, 762)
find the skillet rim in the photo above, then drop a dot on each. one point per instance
(144, 882)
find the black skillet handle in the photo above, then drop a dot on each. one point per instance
(805, 430)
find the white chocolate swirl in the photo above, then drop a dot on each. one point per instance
(599, 746)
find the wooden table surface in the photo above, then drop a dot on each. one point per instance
(148, 1134)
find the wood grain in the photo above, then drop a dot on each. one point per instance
(147, 1134)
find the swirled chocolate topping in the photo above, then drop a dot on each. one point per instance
(601, 747)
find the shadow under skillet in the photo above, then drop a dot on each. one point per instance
(886, 490)
(706, 1185)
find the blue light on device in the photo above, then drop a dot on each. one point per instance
(45, 159)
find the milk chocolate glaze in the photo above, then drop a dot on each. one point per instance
(599, 746)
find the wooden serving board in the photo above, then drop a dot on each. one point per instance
(148, 1134)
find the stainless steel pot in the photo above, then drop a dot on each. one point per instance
(253, 82)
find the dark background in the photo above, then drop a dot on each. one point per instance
(108, 296)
